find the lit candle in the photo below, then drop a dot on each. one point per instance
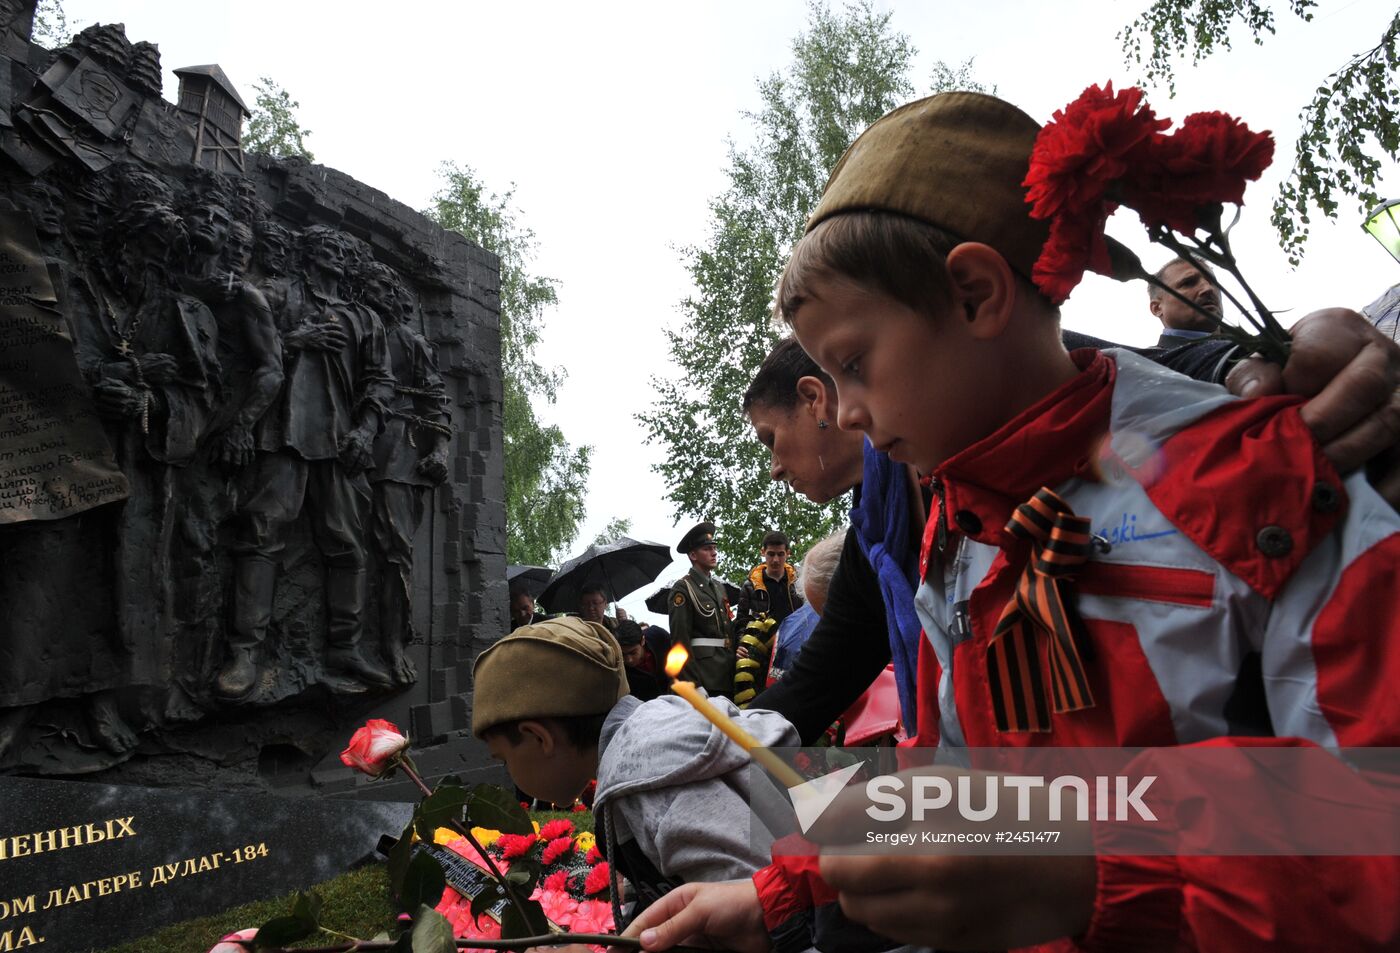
(675, 661)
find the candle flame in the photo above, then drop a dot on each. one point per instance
(676, 659)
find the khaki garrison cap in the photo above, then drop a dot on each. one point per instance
(955, 161)
(555, 669)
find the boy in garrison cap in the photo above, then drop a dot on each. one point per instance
(700, 615)
(551, 702)
(1253, 600)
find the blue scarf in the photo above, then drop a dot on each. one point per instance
(881, 522)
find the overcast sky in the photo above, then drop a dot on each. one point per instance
(612, 121)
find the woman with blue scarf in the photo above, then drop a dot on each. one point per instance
(869, 618)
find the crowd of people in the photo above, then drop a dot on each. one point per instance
(719, 632)
(1206, 565)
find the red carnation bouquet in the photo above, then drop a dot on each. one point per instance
(1108, 149)
(538, 879)
(572, 881)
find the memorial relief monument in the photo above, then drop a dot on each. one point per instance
(250, 441)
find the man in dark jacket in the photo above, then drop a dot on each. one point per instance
(771, 585)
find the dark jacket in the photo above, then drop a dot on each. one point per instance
(782, 597)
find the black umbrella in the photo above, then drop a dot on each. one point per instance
(532, 579)
(659, 601)
(619, 567)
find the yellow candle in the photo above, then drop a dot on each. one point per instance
(739, 736)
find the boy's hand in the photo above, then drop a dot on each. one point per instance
(1351, 373)
(722, 915)
(965, 903)
(960, 901)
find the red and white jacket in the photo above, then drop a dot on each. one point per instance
(1230, 538)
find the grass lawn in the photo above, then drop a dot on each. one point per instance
(356, 903)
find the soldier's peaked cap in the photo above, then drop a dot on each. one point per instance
(701, 534)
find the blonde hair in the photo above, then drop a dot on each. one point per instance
(819, 565)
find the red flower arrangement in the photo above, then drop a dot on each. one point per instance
(1108, 149)
(572, 895)
(462, 821)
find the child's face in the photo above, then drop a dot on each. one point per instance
(917, 386)
(542, 763)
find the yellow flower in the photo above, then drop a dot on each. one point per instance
(444, 836)
(485, 836)
(585, 841)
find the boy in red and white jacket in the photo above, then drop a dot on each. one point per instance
(1240, 588)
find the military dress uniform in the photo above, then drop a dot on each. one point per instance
(700, 620)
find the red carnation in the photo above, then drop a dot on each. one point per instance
(599, 878)
(559, 880)
(593, 856)
(557, 848)
(1206, 162)
(1079, 158)
(1086, 147)
(557, 828)
(1075, 244)
(515, 845)
(578, 808)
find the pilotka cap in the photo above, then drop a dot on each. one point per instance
(955, 161)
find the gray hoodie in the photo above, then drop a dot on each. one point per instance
(678, 786)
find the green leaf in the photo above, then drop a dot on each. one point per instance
(497, 809)
(399, 856)
(431, 932)
(488, 898)
(307, 908)
(438, 809)
(423, 883)
(282, 931)
(523, 874)
(533, 923)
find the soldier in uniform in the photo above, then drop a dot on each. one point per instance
(700, 616)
